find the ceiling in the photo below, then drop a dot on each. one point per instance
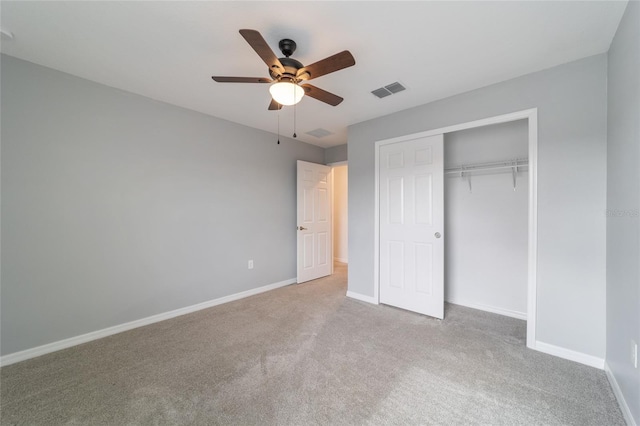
(168, 51)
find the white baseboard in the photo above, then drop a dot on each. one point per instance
(341, 259)
(622, 402)
(582, 358)
(94, 335)
(492, 309)
(362, 297)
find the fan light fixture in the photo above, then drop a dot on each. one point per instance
(286, 93)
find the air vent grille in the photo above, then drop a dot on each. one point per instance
(319, 133)
(389, 89)
(381, 92)
(395, 87)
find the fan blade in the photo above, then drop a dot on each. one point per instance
(258, 43)
(321, 95)
(328, 65)
(274, 106)
(240, 79)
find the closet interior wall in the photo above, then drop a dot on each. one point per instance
(486, 222)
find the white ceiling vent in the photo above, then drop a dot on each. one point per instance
(319, 133)
(389, 89)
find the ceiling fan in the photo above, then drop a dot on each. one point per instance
(287, 73)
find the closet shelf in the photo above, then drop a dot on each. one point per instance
(466, 171)
(484, 167)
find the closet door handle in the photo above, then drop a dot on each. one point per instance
(437, 235)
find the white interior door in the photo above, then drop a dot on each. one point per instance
(315, 243)
(411, 225)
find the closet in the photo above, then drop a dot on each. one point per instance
(486, 213)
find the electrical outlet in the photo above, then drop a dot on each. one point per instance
(634, 354)
(250, 264)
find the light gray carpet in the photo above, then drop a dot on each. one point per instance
(305, 354)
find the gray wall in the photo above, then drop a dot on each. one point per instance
(116, 207)
(486, 239)
(335, 154)
(571, 101)
(623, 205)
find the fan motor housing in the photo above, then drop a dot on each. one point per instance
(291, 67)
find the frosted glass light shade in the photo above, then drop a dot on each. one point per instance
(286, 93)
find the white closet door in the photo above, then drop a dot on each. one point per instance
(411, 225)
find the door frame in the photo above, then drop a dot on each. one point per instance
(531, 115)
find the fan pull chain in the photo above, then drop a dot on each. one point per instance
(278, 126)
(294, 120)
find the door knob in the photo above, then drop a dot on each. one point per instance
(302, 228)
(437, 235)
